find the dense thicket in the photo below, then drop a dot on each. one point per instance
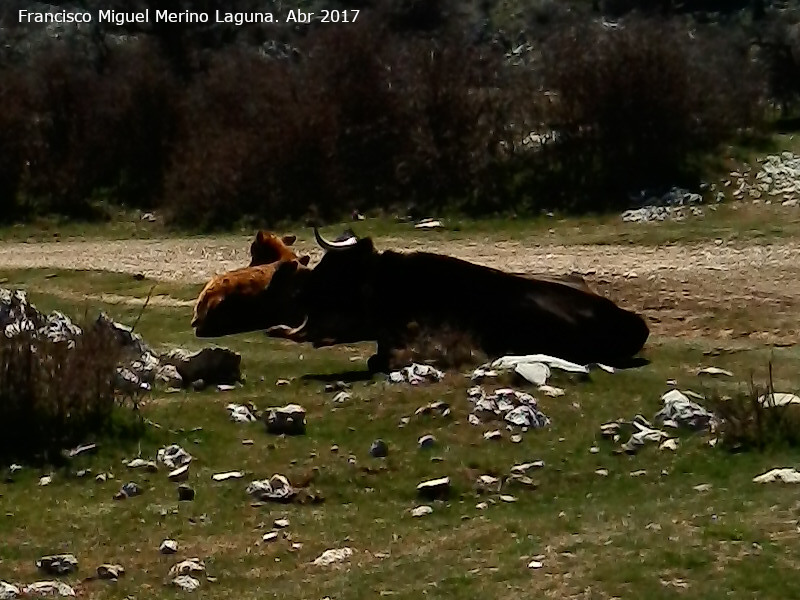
(417, 106)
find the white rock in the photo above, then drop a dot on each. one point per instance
(493, 435)
(426, 441)
(186, 582)
(276, 488)
(332, 556)
(434, 488)
(507, 498)
(421, 511)
(342, 397)
(488, 481)
(48, 588)
(8, 591)
(46, 480)
(429, 224)
(168, 547)
(533, 372)
(140, 463)
(714, 371)
(58, 564)
(173, 456)
(602, 472)
(549, 390)
(535, 564)
(778, 399)
(187, 567)
(786, 475)
(289, 420)
(670, 444)
(110, 571)
(179, 474)
(523, 468)
(269, 537)
(240, 413)
(227, 475)
(281, 523)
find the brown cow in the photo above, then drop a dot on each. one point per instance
(245, 299)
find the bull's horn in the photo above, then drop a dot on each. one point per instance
(328, 245)
(299, 328)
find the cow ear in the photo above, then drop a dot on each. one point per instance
(285, 270)
(260, 237)
(305, 259)
(289, 239)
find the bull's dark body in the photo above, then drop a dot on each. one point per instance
(357, 294)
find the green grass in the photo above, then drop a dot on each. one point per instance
(729, 222)
(600, 537)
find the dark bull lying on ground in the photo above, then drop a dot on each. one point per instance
(356, 293)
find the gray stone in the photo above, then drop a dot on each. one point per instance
(185, 493)
(277, 489)
(289, 420)
(213, 365)
(58, 564)
(426, 442)
(379, 449)
(434, 488)
(110, 571)
(48, 588)
(8, 591)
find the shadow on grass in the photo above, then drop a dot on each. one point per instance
(350, 376)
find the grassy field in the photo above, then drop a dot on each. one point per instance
(654, 535)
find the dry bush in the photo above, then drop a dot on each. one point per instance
(779, 52)
(95, 129)
(12, 133)
(366, 119)
(53, 396)
(638, 107)
(747, 424)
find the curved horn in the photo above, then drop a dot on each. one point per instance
(328, 245)
(299, 328)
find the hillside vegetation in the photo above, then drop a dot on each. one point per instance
(416, 107)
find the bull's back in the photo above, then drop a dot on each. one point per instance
(512, 313)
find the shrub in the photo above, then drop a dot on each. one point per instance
(366, 119)
(747, 423)
(94, 129)
(12, 133)
(637, 107)
(52, 395)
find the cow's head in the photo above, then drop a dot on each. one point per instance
(269, 248)
(250, 299)
(341, 289)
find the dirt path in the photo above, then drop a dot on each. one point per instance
(193, 260)
(720, 290)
